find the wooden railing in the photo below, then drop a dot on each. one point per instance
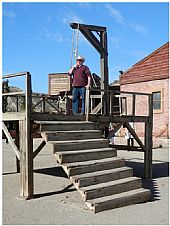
(123, 98)
(24, 101)
(23, 145)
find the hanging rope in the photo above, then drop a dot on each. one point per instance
(74, 50)
(77, 39)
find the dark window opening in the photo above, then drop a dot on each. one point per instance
(157, 100)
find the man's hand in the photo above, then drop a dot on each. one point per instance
(88, 86)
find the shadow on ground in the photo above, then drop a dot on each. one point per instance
(56, 172)
(160, 169)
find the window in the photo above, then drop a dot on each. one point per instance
(157, 100)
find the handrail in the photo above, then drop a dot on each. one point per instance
(14, 75)
(14, 94)
(118, 92)
(27, 93)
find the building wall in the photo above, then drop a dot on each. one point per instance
(160, 117)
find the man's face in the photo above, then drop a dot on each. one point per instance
(78, 62)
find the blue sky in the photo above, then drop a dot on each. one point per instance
(37, 37)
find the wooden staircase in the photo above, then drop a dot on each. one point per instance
(98, 174)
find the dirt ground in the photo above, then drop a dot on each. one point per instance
(57, 202)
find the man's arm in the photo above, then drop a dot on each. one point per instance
(88, 73)
(70, 72)
(89, 82)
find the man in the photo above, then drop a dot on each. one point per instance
(81, 80)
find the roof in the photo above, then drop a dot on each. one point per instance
(153, 67)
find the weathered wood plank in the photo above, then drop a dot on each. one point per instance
(97, 108)
(40, 147)
(131, 130)
(125, 147)
(119, 200)
(111, 187)
(8, 135)
(13, 116)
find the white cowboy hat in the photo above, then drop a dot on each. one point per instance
(81, 58)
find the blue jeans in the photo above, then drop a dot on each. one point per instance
(77, 93)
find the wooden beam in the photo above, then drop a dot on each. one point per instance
(14, 75)
(13, 116)
(8, 135)
(131, 130)
(118, 119)
(40, 147)
(26, 147)
(17, 144)
(117, 127)
(92, 39)
(89, 27)
(148, 141)
(97, 108)
(125, 147)
(13, 94)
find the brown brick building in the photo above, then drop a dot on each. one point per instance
(151, 75)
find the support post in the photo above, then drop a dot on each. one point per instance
(104, 70)
(148, 141)
(26, 147)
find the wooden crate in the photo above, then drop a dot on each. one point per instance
(58, 82)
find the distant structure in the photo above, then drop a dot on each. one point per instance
(151, 75)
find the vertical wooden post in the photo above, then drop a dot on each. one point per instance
(26, 146)
(111, 103)
(43, 103)
(87, 110)
(133, 104)
(67, 105)
(104, 70)
(148, 141)
(17, 104)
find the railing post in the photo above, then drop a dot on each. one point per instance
(67, 105)
(87, 104)
(43, 103)
(17, 106)
(111, 103)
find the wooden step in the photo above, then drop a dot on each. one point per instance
(102, 176)
(110, 188)
(92, 165)
(71, 135)
(119, 200)
(66, 125)
(71, 145)
(85, 155)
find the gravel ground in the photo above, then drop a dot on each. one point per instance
(57, 202)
